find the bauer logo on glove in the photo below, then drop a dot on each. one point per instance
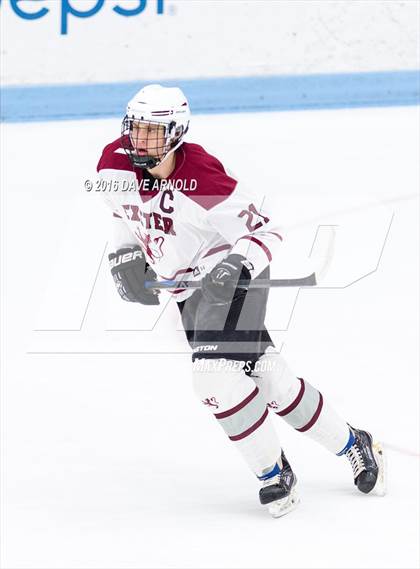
(130, 271)
(118, 258)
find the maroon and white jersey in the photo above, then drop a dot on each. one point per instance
(196, 218)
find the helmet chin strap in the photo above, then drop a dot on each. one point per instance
(177, 145)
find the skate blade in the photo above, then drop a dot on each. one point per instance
(282, 507)
(380, 457)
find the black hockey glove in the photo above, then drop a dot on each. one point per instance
(220, 285)
(130, 270)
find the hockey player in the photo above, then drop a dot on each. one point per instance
(185, 217)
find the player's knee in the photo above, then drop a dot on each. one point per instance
(220, 383)
(274, 377)
(214, 376)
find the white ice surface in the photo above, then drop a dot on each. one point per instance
(108, 459)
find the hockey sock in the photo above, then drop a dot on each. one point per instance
(240, 409)
(301, 405)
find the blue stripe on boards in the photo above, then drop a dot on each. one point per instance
(217, 95)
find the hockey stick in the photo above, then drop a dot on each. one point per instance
(323, 265)
(309, 280)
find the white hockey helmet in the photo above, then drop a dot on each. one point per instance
(160, 106)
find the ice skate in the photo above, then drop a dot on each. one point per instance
(278, 492)
(367, 460)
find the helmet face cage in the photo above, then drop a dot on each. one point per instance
(147, 143)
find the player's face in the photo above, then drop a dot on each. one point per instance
(148, 139)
